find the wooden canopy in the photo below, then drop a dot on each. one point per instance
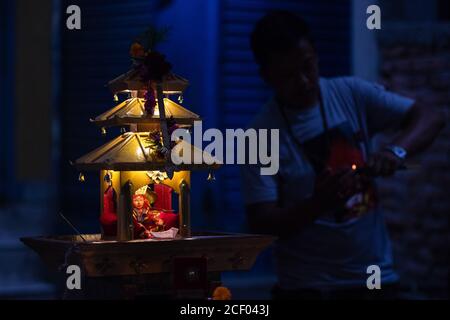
(172, 83)
(132, 111)
(130, 152)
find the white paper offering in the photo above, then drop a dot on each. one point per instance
(168, 234)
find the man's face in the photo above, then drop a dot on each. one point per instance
(294, 76)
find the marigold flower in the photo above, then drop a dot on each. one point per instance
(221, 293)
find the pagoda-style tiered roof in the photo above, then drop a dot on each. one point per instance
(132, 111)
(130, 152)
(131, 80)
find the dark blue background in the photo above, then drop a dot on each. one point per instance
(208, 44)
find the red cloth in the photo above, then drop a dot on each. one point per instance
(164, 197)
(108, 218)
(170, 220)
(164, 203)
(140, 230)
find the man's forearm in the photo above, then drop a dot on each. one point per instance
(421, 128)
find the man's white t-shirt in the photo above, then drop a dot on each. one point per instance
(328, 254)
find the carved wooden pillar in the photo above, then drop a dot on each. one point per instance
(184, 210)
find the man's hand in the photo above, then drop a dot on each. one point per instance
(384, 163)
(333, 190)
(420, 127)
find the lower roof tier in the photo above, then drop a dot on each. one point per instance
(131, 151)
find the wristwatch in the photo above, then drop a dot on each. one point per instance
(398, 151)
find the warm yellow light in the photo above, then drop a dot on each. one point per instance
(141, 178)
(81, 177)
(354, 167)
(157, 176)
(139, 153)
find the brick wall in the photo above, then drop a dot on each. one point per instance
(416, 63)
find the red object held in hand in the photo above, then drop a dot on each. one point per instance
(343, 155)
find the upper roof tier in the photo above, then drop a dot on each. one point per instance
(132, 111)
(172, 83)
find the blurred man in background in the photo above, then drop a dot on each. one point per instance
(323, 203)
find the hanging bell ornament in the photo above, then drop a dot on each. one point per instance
(123, 130)
(116, 98)
(180, 98)
(108, 178)
(81, 177)
(103, 131)
(211, 177)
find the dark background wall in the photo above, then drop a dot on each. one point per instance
(27, 175)
(209, 46)
(6, 78)
(415, 61)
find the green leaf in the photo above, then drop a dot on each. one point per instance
(153, 36)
